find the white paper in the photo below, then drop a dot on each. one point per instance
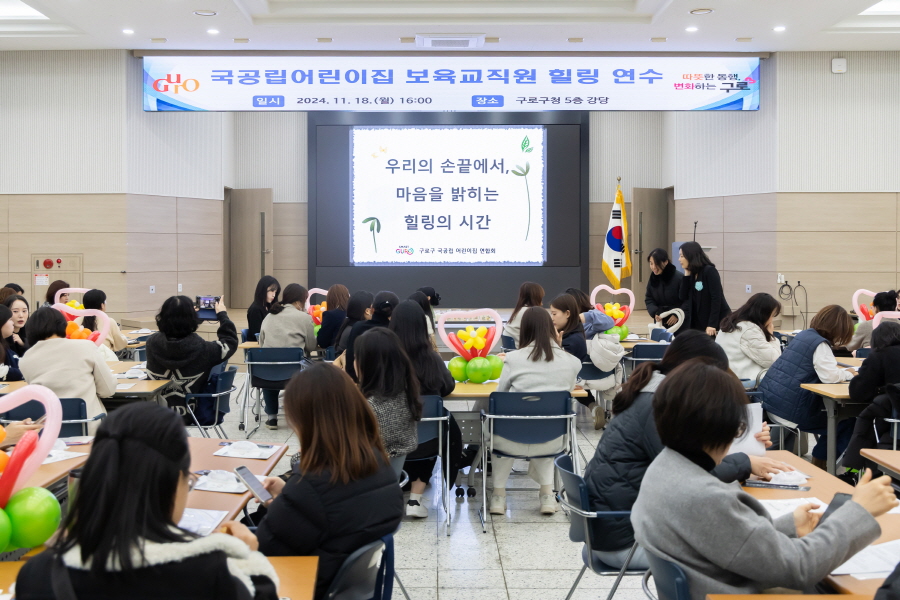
(125, 386)
(77, 440)
(233, 486)
(864, 576)
(747, 443)
(56, 456)
(778, 508)
(873, 559)
(143, 331)
(131, 374)
(201, 521)
(258, 454)
(788, 478)
(633, 336)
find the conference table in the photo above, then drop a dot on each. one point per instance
(146, 389)
(824, 486)
(835, 397)
(888, 460)
(297, 575)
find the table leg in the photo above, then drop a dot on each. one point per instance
(830, 411)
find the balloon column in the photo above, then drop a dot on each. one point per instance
(28, 515)
(473, 345)
(616, 311)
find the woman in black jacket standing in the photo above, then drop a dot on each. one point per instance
(343, 493)
(267, 291)
(664, 288)
(703, 299)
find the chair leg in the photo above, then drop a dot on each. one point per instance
(256, 406)
(197, 424)
(577, 581)
(621, 574)
(894, 431)
(484, 503)
(400, 583)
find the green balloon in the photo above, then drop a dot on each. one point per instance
(457, 368)
(615, 331)
(624, 333)
(496, 365)
(479, 370)
(34, 516)
(5, 530)
(855, 327)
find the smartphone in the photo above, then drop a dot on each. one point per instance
(836, 502)
(206, 307)
(254, 484)
(41, 420)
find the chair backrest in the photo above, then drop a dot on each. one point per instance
(661, 335)
(671, 582)
(73, 409)
(294, 356)
(649, 351)
(507, 343)
(245, 333)
(577, 496)
(590, 372)
(225, 381)
(358, 579)
(863, 352)
(530, 431)
(432, 406)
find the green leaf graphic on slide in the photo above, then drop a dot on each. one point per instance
(374, 227)
(520, 171)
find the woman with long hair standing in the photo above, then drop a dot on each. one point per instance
(701, 290)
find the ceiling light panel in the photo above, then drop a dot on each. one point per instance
(701, 11)
(205, 13)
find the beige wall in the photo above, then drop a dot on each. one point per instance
(291, 250)
(129, 243)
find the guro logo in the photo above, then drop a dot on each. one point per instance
(408, 250)
(188, 85)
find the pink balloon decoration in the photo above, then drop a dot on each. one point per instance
(68, 291)
(888, 314)
(625, 291)
(490, 312)
(314, 291)
(863, 315)
(85, 312)
(51, 426)
(679, 319)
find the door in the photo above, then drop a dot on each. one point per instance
(251, 235)
(649, 229)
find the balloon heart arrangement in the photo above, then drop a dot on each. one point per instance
(865, 313)
(316, 310)
(474, 362)
(617, 312)
(75, 331)
(28, 516)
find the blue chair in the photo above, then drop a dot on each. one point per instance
(661, 335)
(329, 353)
(574, 498)
(646, 353)
(670, 579)
(435, 424)
(525, 418)
(590, 372)
(245, 334)
(219, 397)
(863, 352)
(507, 344)
(74, 415)
(269, 369)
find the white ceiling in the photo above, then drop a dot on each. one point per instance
(521, 25)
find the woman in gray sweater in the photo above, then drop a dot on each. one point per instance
(732, 545)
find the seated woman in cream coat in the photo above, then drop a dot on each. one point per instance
(748, 338)
(96, 299)
(70, 368)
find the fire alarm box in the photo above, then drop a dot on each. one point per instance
(47, 268)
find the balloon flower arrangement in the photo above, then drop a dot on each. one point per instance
(474, 363)
(28, 515)
(617, 312)
(71, 311)
(316, 310)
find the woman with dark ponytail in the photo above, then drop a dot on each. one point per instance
(383, 305)
(96, 299)
(121, 539)
(631, 442)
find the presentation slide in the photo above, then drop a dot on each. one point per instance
(448, 195)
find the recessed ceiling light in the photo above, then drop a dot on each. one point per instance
(491, 40)
(658, 39)
(576, 40)
(323, 40)
(779, 28)
(159, 40)
(743, 39)
(128, 31)
(690, 29)
(212, 31)
(241, 40)
(407, 40)
(205, 13)
(701, 11)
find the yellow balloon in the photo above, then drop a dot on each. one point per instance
(468, 345)
(481, 332)
(608, 306)
(616, 305)
(463, 335)
(478, 342)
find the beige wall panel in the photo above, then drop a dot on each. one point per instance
(23, 279)
(716, 240)
(4, 210)
(150, 214)
(201, 283)
(838, 287)
(736, 283)
(149, 252)
(4, 254)
(837, 212)
(139, 296)
(756, 212)
(285, 276)
(291, 252)
(196, 215)
(200, 252)
(871, 251)
(103, 252)
(709, 212)
(750, 251)
(291, 218)
(115, 285)
(66, 213)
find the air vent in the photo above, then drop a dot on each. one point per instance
(450, 40)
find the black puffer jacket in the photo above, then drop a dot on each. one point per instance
(614, 475)
(663, 291)
(313, 516)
